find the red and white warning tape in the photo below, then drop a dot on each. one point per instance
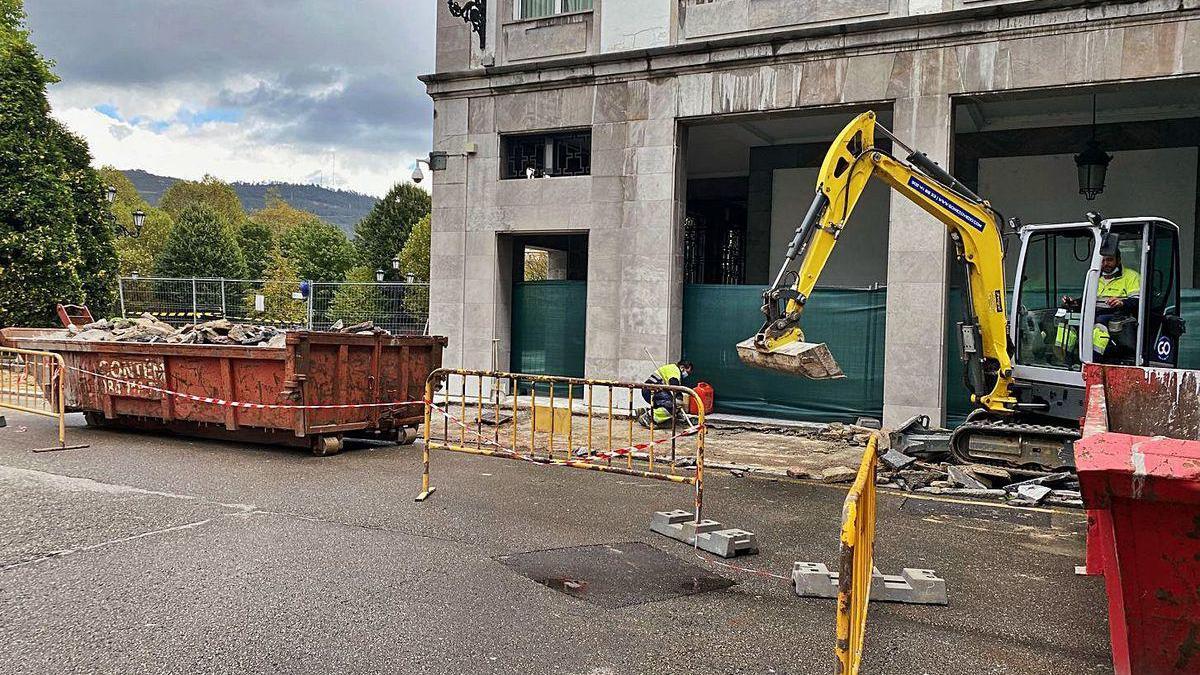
(240, 404)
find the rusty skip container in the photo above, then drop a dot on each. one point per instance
(125, 385)
(1139, 471)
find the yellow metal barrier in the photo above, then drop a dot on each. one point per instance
(605, 436)
(33, 382)
(855, 563)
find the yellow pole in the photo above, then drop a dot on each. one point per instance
(514, 419)
(425, 489)
(551, 439)
(629, 457)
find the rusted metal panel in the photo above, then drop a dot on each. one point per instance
(1150, 401)
(122, 380)
(1142, 489)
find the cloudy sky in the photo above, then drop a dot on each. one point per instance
(310, 91)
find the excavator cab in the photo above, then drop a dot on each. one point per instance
(1101, 291)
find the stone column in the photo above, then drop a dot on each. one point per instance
(914, 380)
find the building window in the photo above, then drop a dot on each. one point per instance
(547, 154)
(536, 9)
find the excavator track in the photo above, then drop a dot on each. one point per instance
(1006, 443)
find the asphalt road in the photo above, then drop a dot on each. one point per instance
(151, 554)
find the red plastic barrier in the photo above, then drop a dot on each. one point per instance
(705, 391)
(1143, 496)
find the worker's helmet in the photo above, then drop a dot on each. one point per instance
(1110, 245)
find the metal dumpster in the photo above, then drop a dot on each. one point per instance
(1139, 470)
(191, 388)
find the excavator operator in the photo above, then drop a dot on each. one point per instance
(1117, 298)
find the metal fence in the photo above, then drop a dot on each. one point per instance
(402, 308)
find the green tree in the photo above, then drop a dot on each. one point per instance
(216, 194)
(320, 251)
(414, 257)
(40, 255)
(537, 264)
(279, 307)
(359, 300)
(279, 215)
(139, 253)
(200, 245)
(94, 223)
(257, 244)
(384, 230)
(127, 194)
(137, 250)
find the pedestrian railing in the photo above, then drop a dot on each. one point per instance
(402, 308)
(32, 382)
(562, 421)
(855, 563)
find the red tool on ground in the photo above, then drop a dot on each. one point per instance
(705, 391)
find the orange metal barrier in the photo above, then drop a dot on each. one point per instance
(855, 563)
(606, 431)
(32, 381)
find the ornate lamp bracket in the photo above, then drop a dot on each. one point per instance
(473, 12)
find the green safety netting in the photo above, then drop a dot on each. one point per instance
(851, 321)
(549, 327)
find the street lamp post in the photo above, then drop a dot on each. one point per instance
(110, 194)
(379, 276)
(139, 219)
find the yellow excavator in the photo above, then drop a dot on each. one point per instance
(1024, 375)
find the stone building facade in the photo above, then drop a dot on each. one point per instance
(638, 74)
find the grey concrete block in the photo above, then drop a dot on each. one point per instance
(1034, 493)
(912, 586)
(894, 459)
(961, 477)
(707, 535)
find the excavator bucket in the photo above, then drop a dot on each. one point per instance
(808, 359)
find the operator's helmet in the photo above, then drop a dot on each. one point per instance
(1110, 245)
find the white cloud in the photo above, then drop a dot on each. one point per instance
(299, 82)
(231, 152)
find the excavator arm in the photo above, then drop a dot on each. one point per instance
(851, 162)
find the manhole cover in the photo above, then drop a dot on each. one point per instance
(614, 575)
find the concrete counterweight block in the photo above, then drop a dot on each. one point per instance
(708, 535)
(912, 586)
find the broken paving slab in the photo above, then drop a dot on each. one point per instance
(896, 460)
(838, 474)
(959, 476)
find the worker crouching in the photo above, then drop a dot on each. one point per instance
(665, 405)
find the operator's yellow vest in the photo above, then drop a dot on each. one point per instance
(1127, 284)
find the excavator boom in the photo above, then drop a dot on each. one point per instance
(852, 161)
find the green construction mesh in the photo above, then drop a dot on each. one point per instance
(716, 318)
(549, 327)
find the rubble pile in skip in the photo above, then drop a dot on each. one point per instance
(149, 329)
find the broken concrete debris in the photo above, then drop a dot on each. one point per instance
(147, 328)
(899, 470)
(896, 460)
(838, 474)
(960, 476)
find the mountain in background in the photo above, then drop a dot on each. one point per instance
(340, 207)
